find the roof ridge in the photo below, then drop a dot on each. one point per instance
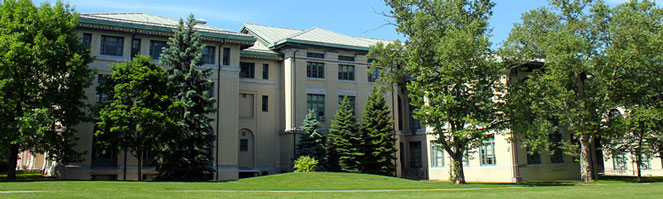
(301, 33)
(113, 13)
(357, 37)
(272, 26)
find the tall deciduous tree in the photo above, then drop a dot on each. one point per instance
(452, 76)
(185, 155)
(138, 111)
(43, 75)
(635, 29)
(311, 141)
(344, 140)
(587, 48)
(379, 137)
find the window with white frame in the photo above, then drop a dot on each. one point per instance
(437, 155)
(619, 161)
(487, 152)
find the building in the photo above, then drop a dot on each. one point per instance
(265, 80)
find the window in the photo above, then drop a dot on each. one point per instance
(415, 155)
(265, 103)
(226, 56)
(208, 55)
(557, 155)
(148, 159)
(437, 155)
(247, 70)
(414, 123)
(111, 45)
(374, 74)
(135, 47)
(210, 94)
(246, 105)
(400, 114)
(466, 159)
(156, 47)
(87, 40)
(315, 55)
(346, 58)
(346, 72)
(352, 102)
(533, 158)
(487, 151)
(315, 70)
(243, 145)
(619, 161)
(265, 71)
(102, 92)
(645, 162)
(401, 151)
(101, 158)
(317, 104)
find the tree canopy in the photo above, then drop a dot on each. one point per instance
(449, 70)
(43, 75)
(138, 112)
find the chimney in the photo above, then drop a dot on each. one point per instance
(201, 21)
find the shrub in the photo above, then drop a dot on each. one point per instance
(305, 164)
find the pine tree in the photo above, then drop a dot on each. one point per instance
(185, 155)
(311, 142)
(344, 151)
(379, 137)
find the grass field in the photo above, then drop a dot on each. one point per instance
(329, 185)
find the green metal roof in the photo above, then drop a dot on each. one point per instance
(275, 37)
(156, 23)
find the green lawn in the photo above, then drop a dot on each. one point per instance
(328, 185)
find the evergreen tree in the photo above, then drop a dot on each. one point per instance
(138, 109)
(379, 143)
(344, 152)
(43, 76)
(311, 142)
(185, 155)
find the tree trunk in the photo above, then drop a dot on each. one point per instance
(586, 173)
(13, 159)
(140, 165)
(660, 156)
(638, 163)
(124, 169)
(459, 175)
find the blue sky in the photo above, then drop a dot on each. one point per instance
(351, 17)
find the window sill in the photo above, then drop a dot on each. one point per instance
(347, 81)
(112, 58)
(316, 79)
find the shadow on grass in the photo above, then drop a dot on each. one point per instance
(630, 179)
(24, 176)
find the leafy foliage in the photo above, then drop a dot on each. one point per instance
(588, 49)
(305, 164)
(344, 141)
(311, 142)
(450, 70)
(138, 112)
(43, 76)
(185, 154)
(379, 137)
